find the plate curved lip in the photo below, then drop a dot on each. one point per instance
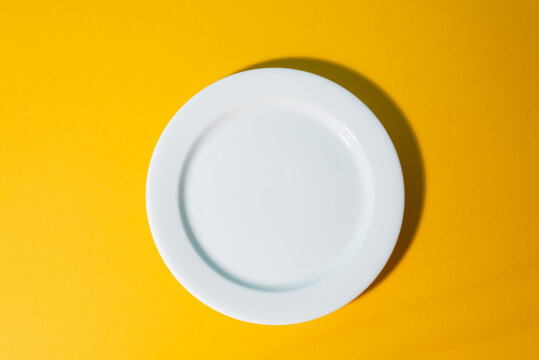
(233, 299)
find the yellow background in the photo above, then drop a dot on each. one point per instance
(87, 88)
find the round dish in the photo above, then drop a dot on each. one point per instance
(275, 196)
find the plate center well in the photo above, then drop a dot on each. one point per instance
(273, 195)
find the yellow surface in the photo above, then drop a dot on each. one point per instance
(87, 88)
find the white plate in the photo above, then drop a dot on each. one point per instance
(275, 196)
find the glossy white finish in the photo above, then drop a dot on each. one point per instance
(275, 196)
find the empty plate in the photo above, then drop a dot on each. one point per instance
(275, 196)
